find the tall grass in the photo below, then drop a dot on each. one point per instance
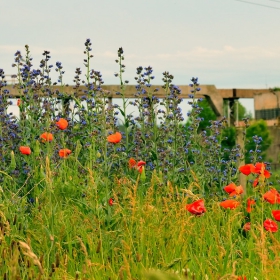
(96, 213)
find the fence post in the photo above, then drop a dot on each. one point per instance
(240, 140)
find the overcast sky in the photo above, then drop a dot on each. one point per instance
(228, 43)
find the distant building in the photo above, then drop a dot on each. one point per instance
(267, 107)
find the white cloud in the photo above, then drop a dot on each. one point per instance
(228, 52)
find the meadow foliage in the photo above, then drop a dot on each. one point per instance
(87, 194)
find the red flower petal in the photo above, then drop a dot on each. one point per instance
(197, 207)
(270, 225)
(25, 150)
(266, 174)
(114, 138)
(246, 169)
(230, 188)
(276, 215)
(111, 202)
(256, 182)
(131, 163)
(62, 124)
(46, 137)
(230, 203)
(64, 153)
(250, 202)
(247, 226)
(272, 196)
(141, 163)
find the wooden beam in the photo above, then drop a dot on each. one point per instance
(214, 96)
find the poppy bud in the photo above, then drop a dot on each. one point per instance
(111, 202)
(78, 148)
(13, 161)
(142, 175)
(37, 149)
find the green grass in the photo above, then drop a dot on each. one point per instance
(73, 237)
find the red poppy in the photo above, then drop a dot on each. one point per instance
(230, 203)
(111, 201)
(18, 102)
(242, 278)
(276, 215)
(270, 225)
(230, 188)
(246, 169)
(272, 196)
(132, 163)
(260, 169)
(233, 190)
(197, 207)
(46, 137)
(140, 166)
(62, 124)
(64, 153)
(250, 201)
(25, 150)
(137, 165)
(247, 226)
(114, 138)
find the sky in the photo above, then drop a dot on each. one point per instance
(227, 43)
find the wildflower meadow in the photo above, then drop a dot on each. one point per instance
(89, 190)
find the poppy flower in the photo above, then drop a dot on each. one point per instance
(114, 138)
(64, 153)
(246, 169)
(272, 196)
(62, 124)
(247, 226)
(276, 215)
(111, 202)
(25, 150)
(197, 207)
(260, 169)
(270, 225)
(242, 278)
(233, 190)
(229, 203)
(132, 163)
(140, 166)
(250, 201)
(46, 137)
(18, 102)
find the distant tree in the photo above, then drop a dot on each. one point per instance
(242, 112)
(258, 128)
(207, 115)
(229, 137)
(239, 109)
